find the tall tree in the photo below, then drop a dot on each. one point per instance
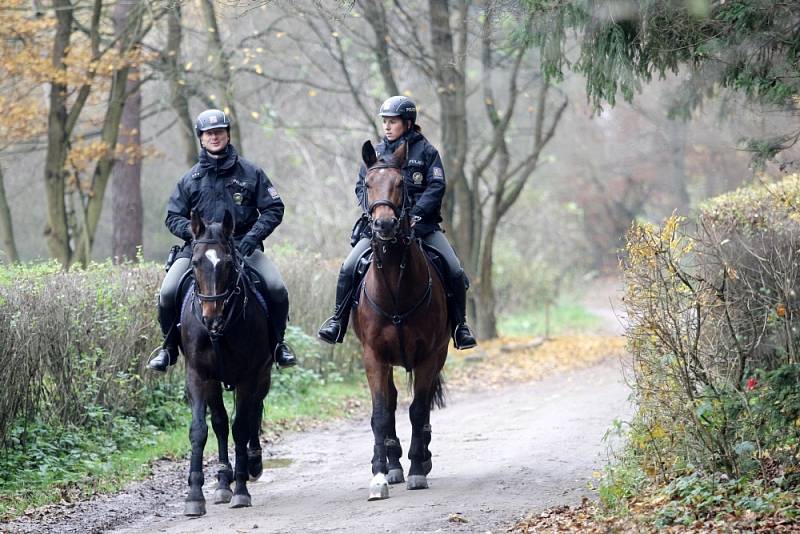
(129, 36)
(179, 99)
(127, 174)
(6, 226)
(221, 70)
(23, 71)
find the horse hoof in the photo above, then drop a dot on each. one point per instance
(395, 476)
(222, 496)
(241, 501)
(194, 508)
(255, 466)
(254, 476)
(416, 482)
(378, 488)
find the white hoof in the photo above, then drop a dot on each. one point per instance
(378, 488)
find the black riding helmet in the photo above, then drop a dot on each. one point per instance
(399, 106)
(210, 119)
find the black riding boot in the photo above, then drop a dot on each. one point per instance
(284, 357)
(168, 352)
(334, 328)
(462, 335)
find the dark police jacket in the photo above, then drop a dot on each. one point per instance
(229, 182)
(424, 180)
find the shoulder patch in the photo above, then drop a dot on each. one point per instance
(273, 192)
(438, 172)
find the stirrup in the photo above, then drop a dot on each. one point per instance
(335, 339)
(155, 354)
(468, 344)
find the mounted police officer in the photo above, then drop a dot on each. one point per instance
(425, 188)
(222, 180)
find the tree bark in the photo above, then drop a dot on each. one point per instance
(56, 231)
(376, 16)
(222, 71)
(127, 178)
(6, 227)
(178, 98)
(451, 89)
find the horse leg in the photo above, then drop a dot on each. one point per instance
(426, 381)
(394, 450)
(219, 422)
(377, 377)
(198, 434)
(255, 466)
(242, 429)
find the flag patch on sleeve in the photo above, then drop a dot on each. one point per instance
(438, 172)
(273, 192)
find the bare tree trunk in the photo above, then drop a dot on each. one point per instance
(56, 230)
(127, 179)
(6, 227)
(178, 99)
(109, 135)
(222, 71)
(376, 16)
(451, 88)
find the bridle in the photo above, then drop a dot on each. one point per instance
(227, 296)
(401, 213)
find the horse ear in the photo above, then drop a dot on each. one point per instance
(368, 154)
(198, 226)
(227, 224)
(400, 153)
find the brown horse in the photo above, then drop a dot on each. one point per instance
(401, 320)
(224, 335)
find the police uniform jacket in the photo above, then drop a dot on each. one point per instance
(424, 180)
(230, 183)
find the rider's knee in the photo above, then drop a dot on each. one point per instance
(279, 294)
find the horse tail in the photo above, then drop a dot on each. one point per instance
(438, 392)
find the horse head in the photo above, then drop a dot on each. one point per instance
(215, 268)
(386, 192)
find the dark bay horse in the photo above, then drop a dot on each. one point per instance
(401, 320)
(225, 338)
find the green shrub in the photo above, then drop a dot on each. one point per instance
(713, 332)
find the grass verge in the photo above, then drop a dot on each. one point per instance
(49, 465)
(564, 318)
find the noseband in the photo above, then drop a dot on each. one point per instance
(229, 293)
(400, 213)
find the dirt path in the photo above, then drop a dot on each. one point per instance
(495, 456)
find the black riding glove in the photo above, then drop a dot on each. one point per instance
(247, 245)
